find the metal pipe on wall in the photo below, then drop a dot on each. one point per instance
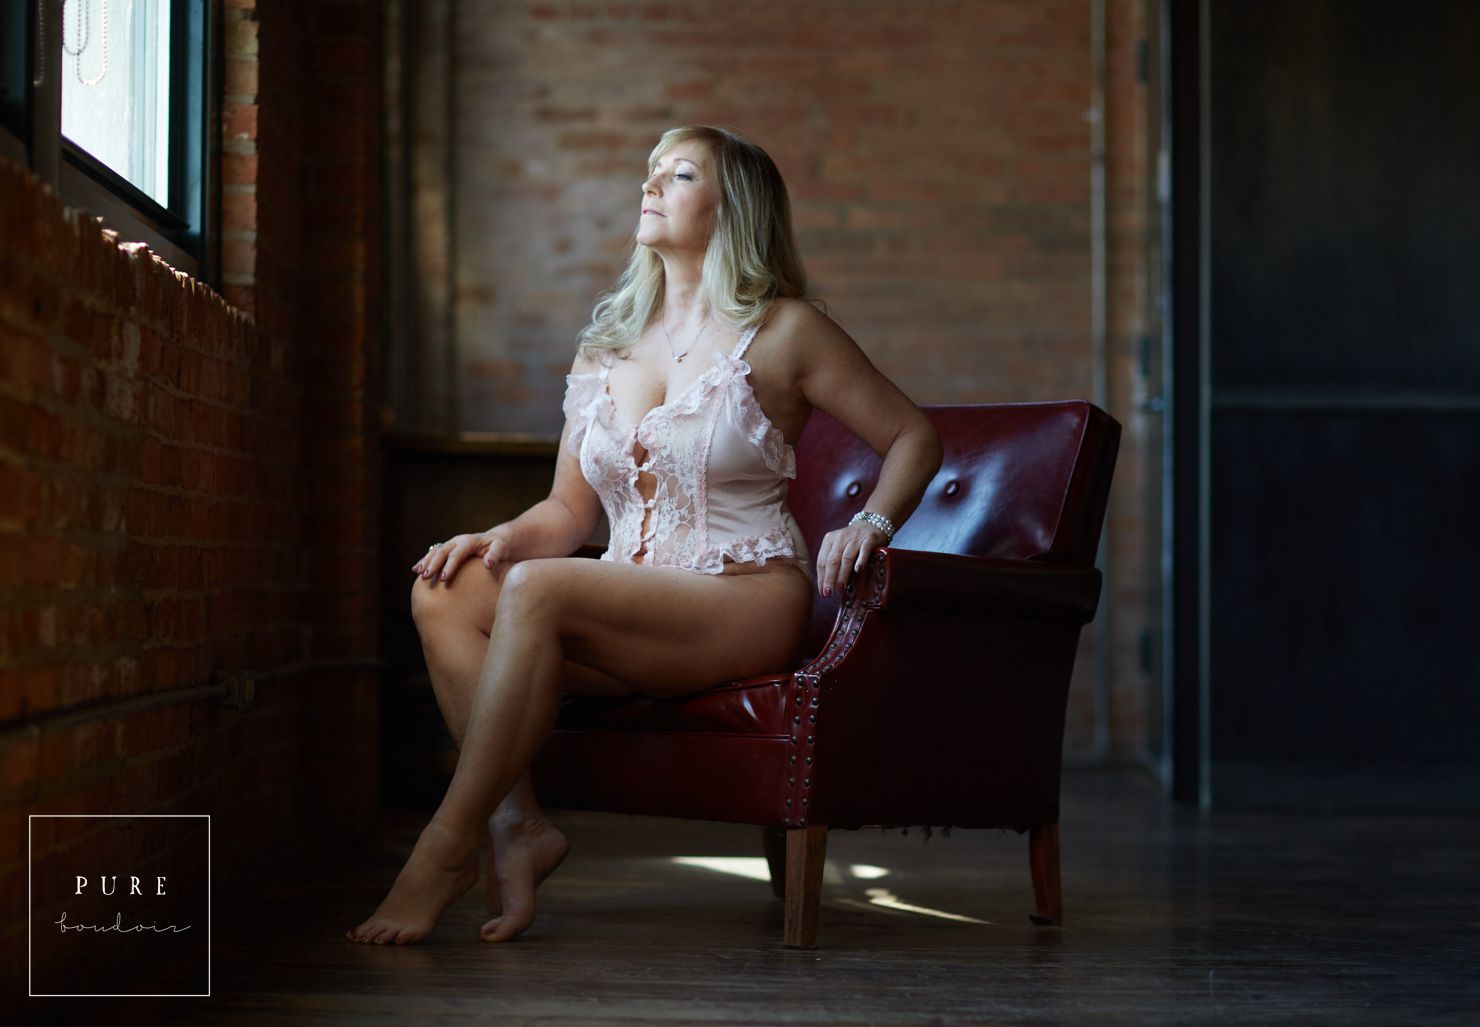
(233, 688)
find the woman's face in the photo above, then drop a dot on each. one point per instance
(679, 199)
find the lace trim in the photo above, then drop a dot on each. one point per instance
(581, 391)
(752, 420)
(775, 544)
(585, 389)
(695, 394)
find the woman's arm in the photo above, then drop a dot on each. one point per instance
(836, 376)
(555, 526)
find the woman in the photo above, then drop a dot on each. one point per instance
(707, 578)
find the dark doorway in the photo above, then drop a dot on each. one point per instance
(1325, 374)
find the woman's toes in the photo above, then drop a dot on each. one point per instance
(506, 927)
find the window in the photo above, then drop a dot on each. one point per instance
(115, 105)
(109, 101)
(14, 68)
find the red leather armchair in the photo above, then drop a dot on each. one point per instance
(930, 692)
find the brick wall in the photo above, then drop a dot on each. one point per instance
(187, 484)
(938, 157)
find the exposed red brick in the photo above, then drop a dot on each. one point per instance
(155, 455)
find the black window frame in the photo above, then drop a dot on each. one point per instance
(185, 231)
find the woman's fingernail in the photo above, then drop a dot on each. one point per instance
(827, 590)
(444, 575)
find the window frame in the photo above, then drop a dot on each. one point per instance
(185, 234)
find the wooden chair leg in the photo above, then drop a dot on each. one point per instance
(1043, 856)
(773, 843)
(806, 850)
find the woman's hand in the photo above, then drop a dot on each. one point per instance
(442, 561)
(844, 552)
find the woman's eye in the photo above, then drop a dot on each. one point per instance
(684, 174)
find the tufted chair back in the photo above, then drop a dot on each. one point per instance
(1020, 481)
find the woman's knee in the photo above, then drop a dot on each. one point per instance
(528, 586)
(430, 600)
(472, 595)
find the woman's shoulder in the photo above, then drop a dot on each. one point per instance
(791, 322)
(791, 313)
(800, 328)
(590, 360)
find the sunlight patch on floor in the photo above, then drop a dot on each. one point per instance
(757, 869)
(753, 867)
(888, 900)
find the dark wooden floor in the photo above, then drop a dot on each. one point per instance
(1169, 917)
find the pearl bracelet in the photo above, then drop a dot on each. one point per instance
(878, 520)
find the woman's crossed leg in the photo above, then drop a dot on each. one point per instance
(454, 621)
(671, 630)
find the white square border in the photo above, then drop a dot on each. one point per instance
(30, 913)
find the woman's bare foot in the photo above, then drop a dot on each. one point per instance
(524, 853)
(442, 866)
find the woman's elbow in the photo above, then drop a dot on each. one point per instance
(934, 448)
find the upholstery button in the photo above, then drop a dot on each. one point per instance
(791, 780)
(799, 700)
(809, 759)
(812, 717)
(952, 487)
(809, 739)
(806, 782)
(794, 758)
(804, 802)
(797, 719)
(788, 802)
(854, 489)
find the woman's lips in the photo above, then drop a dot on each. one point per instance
(654, 213)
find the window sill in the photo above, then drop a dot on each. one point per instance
(79, 190)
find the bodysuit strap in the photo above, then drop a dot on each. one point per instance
(744, 343)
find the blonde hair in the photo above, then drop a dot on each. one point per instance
(752, 255)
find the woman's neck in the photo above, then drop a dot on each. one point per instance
(683, 294)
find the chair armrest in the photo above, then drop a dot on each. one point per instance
(1020, 589)
(939, 697)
